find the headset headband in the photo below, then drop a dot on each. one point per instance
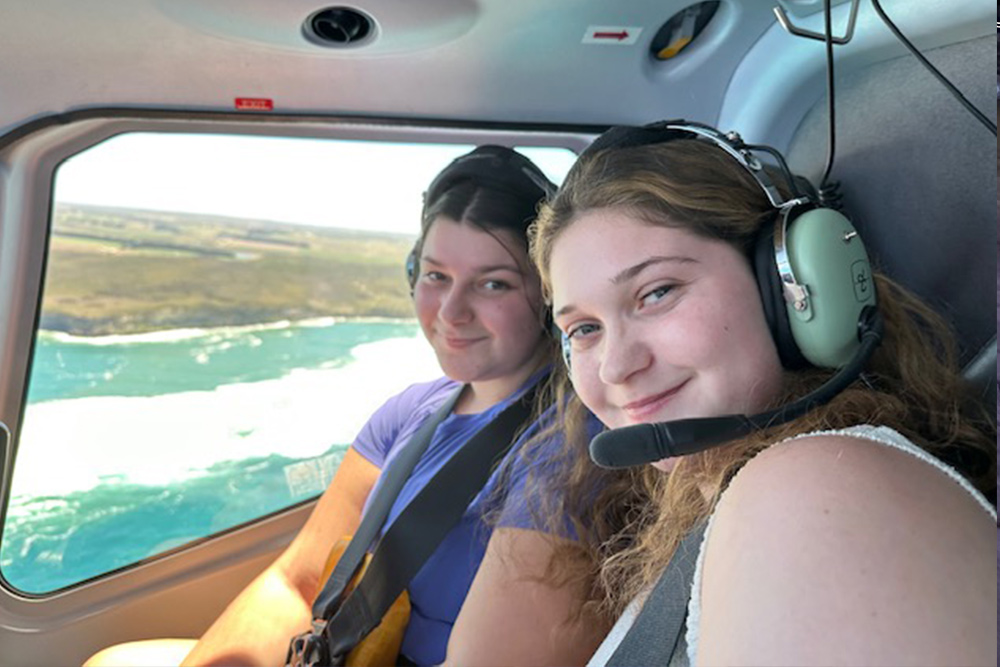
(498, 167)
(625, 136)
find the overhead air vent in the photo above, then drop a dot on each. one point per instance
(340, 27)
(682, 29)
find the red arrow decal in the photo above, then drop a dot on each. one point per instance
(611, 35)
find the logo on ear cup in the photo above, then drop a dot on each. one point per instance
(863, 283)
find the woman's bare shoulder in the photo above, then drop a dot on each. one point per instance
(856, 551)
(841, 470)
(846, 491)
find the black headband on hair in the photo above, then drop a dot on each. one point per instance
(497, 167)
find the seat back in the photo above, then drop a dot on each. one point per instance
(914, 169)
(982, 375)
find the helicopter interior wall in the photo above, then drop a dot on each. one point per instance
(781, 78)
(907, 151)
(483, 60)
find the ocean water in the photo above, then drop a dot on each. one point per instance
(132, 445)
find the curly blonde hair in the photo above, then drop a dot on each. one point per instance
(628, 523)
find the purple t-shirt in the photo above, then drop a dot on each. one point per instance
(439, 588)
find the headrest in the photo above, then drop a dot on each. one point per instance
(981, 373)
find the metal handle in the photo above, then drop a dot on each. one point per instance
(792, 29)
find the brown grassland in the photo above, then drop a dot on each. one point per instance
(114, 271)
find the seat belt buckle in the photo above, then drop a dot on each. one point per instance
(310, 649)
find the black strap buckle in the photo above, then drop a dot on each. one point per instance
(310, 648)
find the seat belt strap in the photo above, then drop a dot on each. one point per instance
(422, 525)
(654, 636)
(394, 478)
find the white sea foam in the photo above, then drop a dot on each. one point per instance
(73, 444)
(166, 336)
(219, 333)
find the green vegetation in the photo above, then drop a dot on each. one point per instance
(113, 271)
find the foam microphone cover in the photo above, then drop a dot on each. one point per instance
(645, 443)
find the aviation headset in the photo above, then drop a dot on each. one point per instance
(811, 266)
(817, 290)
(494, 167)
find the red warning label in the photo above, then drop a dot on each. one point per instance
(254, 104)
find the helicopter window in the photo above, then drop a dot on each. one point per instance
(220, 315)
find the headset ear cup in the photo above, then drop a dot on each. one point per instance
(828, 261)
(411, 267)
(567, 351)
(549, 325)
(773, 300)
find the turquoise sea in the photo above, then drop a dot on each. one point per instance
(133, 445)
